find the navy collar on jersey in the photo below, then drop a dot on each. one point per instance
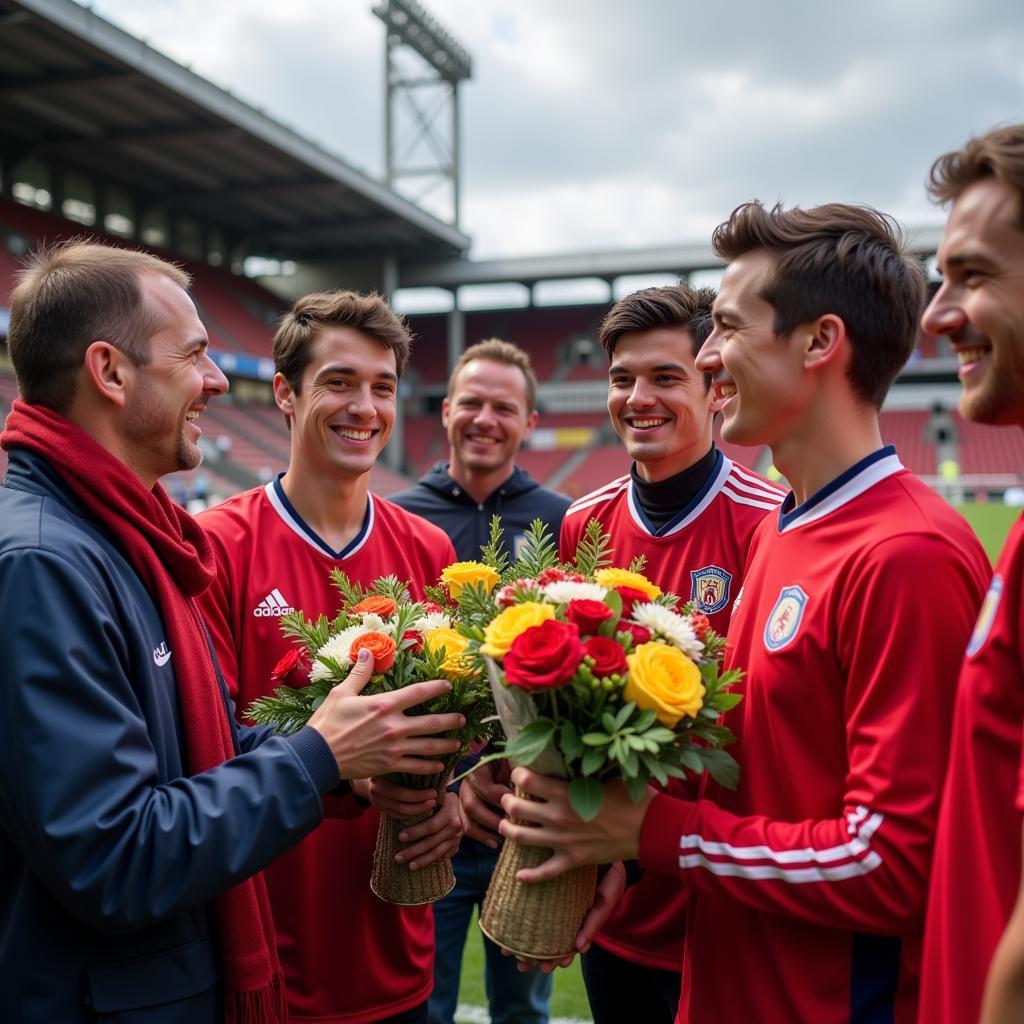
(848, 485)
(705, 493)
(286, 510)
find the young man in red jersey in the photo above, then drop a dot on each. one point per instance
(347, 955)
(811, 875)
(980, 308)
(691, 513)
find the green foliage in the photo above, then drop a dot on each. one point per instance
(638, 563)
(493, 553)
(538, 552)
(593, 551)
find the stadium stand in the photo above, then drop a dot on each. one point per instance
(907, 431)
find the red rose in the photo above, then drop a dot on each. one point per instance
(544, 656)
(417, 641)
(641, 634)
(609, 657)
(588, 614)
(631, 596)
(285, 666)
(701, 625)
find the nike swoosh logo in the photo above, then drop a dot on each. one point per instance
(161, 659)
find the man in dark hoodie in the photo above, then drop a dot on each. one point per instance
(489, 412)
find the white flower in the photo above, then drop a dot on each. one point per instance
(375, 624)
(432, 620)
(337, 647)
(564, 591)
(663, 622)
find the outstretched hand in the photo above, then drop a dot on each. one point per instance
(372, 735)
(550, 822)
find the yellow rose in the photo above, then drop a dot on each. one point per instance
(460, 574)
(665, 680)
(454, 644)
(624, 578)
(504, 628)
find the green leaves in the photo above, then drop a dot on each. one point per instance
(538, 552)
(594, 549)
(530, 742)
(586, 797)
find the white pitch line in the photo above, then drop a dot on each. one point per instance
(466, 1013)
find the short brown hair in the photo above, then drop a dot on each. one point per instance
(999, 154)
(840, 259)
(676, 305)
(72, 294)
(498, 351)
(367, 314)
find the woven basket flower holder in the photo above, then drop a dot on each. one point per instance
(395, 883)
(539, 921)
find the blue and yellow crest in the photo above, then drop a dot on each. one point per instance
(785, 618)
(986, 616)
(709, 587)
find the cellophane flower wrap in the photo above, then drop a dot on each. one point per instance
(598, 673)
(411, 641)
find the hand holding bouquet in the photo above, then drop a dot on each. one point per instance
(411, 642)
(597, 675)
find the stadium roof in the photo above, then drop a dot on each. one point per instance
(76, 89)
(680, 260)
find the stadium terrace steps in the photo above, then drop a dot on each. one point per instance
(906, 430)
(238, 313)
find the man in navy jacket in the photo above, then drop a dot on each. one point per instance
(115, 855)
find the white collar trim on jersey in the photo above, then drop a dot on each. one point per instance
(851, 483)
(291, 518)
(701, 500)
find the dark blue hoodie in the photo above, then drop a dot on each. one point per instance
(519, 500)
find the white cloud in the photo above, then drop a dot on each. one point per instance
(596, 124)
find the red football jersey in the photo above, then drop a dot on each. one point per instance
(851, 624)
(347, 955)
(699, 554)
(977, 849)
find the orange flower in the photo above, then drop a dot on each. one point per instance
(382, 648)
(375, 604)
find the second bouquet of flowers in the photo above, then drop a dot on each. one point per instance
(411, 641)
(597, 674)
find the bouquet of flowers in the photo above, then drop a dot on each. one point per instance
(597, 674)
(411, 641)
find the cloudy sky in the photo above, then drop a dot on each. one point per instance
(594, 124)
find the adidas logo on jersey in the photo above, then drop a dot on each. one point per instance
(272, 606)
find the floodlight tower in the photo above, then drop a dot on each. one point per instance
(423, 68)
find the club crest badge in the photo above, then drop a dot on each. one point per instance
(785, 618)
(986, 616)
(709, 587)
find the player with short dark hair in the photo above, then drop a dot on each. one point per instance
(980, 307)
(347, 955)
(690, 512)
(813, 873)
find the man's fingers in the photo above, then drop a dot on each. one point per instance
(354, 682)
(557, 864)
(609, 892)
(541, 786)
(409, 696)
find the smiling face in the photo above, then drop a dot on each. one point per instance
(168, 394)
(486, 418)
(658, 402)
(759, 378)
(343, 415)
(980, 304)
